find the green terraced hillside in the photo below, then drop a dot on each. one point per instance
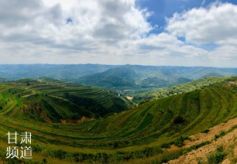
(143, 95)
(52, 101)
(142, 134)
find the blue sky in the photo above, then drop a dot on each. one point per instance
(162, 9)
(147, 32)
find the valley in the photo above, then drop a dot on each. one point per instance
(73, 123)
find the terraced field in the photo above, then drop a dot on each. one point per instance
(51, 101)
(142, 134)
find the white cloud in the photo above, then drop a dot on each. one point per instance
(213, 25)
(201, 25)
(68, 27)
(112, 32)
(90, 20)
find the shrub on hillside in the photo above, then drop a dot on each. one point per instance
(179, 141)
(217, 157)
(179, 120)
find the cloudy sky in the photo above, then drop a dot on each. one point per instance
(148, 32)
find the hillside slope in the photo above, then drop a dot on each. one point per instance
(143, 134)
(53, 101)
(157, 93)
(121, 77)
(185, 113)
(220, 145)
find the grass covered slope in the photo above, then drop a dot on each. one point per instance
(167, 117)
(141, 96)
(53, 101)
(131, 136)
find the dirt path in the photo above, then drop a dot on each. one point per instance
(227, 140)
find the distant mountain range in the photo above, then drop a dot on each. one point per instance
(131, 77)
